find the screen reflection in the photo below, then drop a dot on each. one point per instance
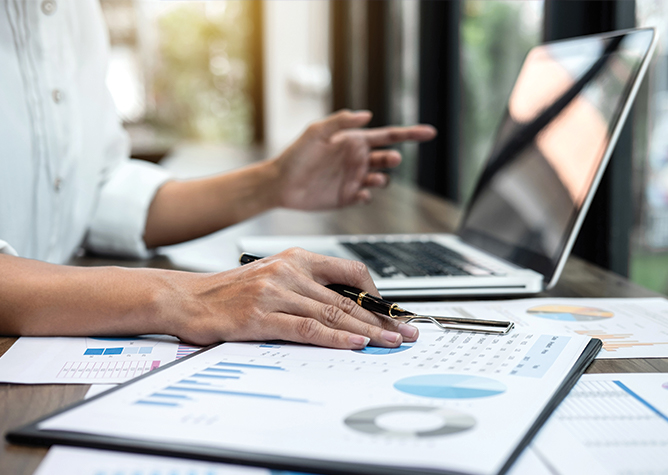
(559, 121)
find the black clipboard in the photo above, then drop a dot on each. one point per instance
(30, 434)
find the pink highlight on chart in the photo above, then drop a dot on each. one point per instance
(155, 365)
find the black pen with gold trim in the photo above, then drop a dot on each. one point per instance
(393, 310)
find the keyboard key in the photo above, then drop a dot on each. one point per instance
(415, 259)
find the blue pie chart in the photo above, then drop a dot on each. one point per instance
(450, 386)
(377, 350)
(114, 338)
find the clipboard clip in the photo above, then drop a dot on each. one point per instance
(500, 327)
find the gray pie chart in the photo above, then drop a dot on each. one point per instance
(453, 421)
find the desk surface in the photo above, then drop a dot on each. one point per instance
(398, 209)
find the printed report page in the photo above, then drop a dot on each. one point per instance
(452, 401)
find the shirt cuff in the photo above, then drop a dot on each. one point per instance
(5, 248)
(119, 220)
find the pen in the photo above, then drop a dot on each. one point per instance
(393, 310)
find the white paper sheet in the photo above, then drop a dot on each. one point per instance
(87, 360)
(76, 461)
(629, 328)
(530, 463)
(559, 449)
(96, 389)
(452, 400)
(616, 421)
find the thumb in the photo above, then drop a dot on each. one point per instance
(343, 119)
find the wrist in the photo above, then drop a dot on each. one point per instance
(270, 188)
(171, 303)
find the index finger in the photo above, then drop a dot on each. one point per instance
(383, 136)
(343, 119)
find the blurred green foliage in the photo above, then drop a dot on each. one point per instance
(650, 269)
(201, 81)
(495, 40)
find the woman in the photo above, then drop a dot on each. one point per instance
(66, 182)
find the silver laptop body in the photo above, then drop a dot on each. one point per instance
(562, 121)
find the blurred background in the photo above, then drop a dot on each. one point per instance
(232, 81)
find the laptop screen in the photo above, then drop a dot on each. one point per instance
(561, 118)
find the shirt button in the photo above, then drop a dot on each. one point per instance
(57, 183)
(57, 96)
(49, 7)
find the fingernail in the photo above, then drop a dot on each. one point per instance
(409, 331)
(359, 340)
(390, 336)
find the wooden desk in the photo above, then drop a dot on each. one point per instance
(395, 210)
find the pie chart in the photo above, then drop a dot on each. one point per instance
(377, 350)
(450, 386)
(570, 313)
(410, 421)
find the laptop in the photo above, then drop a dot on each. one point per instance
(562, 121)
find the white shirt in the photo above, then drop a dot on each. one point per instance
(65, 176)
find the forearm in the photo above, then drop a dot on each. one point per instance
(39, 299)
(185, 210)
(281, 297)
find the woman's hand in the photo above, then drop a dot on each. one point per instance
(334, 164)
(282, 297)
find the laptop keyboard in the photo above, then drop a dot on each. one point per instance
(415, 259)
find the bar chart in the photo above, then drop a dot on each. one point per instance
(88, 360)
(216, 381)
(615, 342)
(620, 421)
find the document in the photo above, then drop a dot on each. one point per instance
(452, 401)
(96, 389)
(628, 328)
(87, 360)
(76, 461)
(609, 424)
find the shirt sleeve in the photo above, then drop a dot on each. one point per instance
(5, 248)
(119, 220)
(125, 187)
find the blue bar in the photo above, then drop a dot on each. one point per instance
(145, 350)
(192, 381)
(222, 370)
(641, 400)
(256, 366)
(177, 396)
(113, 351)
(217, 376)
(94, 351)
(157, 403)
(130, 350)
(270, 346)
(234, 393)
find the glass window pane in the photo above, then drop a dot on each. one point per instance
(181, 69)
(495, 37)
(649, 244)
